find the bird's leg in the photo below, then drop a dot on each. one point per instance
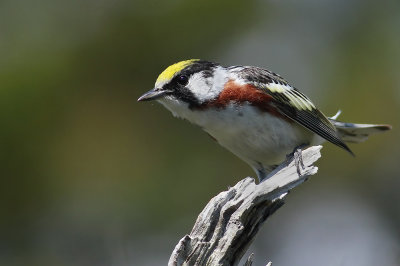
(260, 170)
(298, 158)
(261, 175)
(264, 172)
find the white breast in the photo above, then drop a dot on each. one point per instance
(256, 137)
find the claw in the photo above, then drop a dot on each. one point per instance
(298, 158)
(298, 161)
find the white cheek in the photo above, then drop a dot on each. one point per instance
(201, 88)
(208, 89)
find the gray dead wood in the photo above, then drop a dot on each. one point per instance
(229, 223)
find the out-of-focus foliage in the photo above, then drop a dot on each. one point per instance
(91, 177)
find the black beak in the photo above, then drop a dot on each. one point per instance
(152, 95)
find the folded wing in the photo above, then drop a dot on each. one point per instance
(292, 103)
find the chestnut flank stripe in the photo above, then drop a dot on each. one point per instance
(247, 93)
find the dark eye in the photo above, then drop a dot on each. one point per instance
(183, 80)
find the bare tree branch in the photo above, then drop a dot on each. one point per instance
(229, 223)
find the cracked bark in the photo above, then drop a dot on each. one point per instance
(231, 220)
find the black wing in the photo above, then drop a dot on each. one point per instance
(292, 103)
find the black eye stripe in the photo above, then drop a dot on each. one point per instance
(182, 80)
(177, 86)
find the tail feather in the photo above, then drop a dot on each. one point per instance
(350, 132)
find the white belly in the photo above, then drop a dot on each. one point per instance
(258, 138)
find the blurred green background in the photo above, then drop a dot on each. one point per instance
(91, 177)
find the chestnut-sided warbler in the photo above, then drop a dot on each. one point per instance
(252, 112)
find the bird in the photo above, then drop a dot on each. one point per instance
(251, 111)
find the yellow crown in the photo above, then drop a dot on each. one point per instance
(170, 71)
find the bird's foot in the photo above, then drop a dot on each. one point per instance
(298, 158)
(298, 161)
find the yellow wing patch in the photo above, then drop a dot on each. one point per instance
(300, 102)
(170, 71)
(274, 87)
